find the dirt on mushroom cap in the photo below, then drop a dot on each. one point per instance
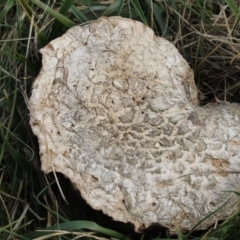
(115, 110)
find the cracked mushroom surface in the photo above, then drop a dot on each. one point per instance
(115, 110)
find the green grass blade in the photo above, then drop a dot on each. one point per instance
(5, 134)
(157, 12)
(88, 3)
(57, 24)
(30, 13)
(3, 103)
(2, 229)
(7, 7)
(234, 8)
(19, 58)
(235, 192)
(114, 7)
(176, 17)
(79, 15)
(64, 20)
(228, 226)
(120, 7)
(95, 11)
(179, 234)
(73, 226)
(200, 222)
(18, 157)
(139, 11)
(190, 8)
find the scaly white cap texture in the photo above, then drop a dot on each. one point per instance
(115, 110)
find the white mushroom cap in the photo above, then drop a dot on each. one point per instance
(115, 110)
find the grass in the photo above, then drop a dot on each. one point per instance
(206, 32)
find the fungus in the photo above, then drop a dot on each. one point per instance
(115, 110)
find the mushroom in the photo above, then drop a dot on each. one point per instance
(115, 110)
